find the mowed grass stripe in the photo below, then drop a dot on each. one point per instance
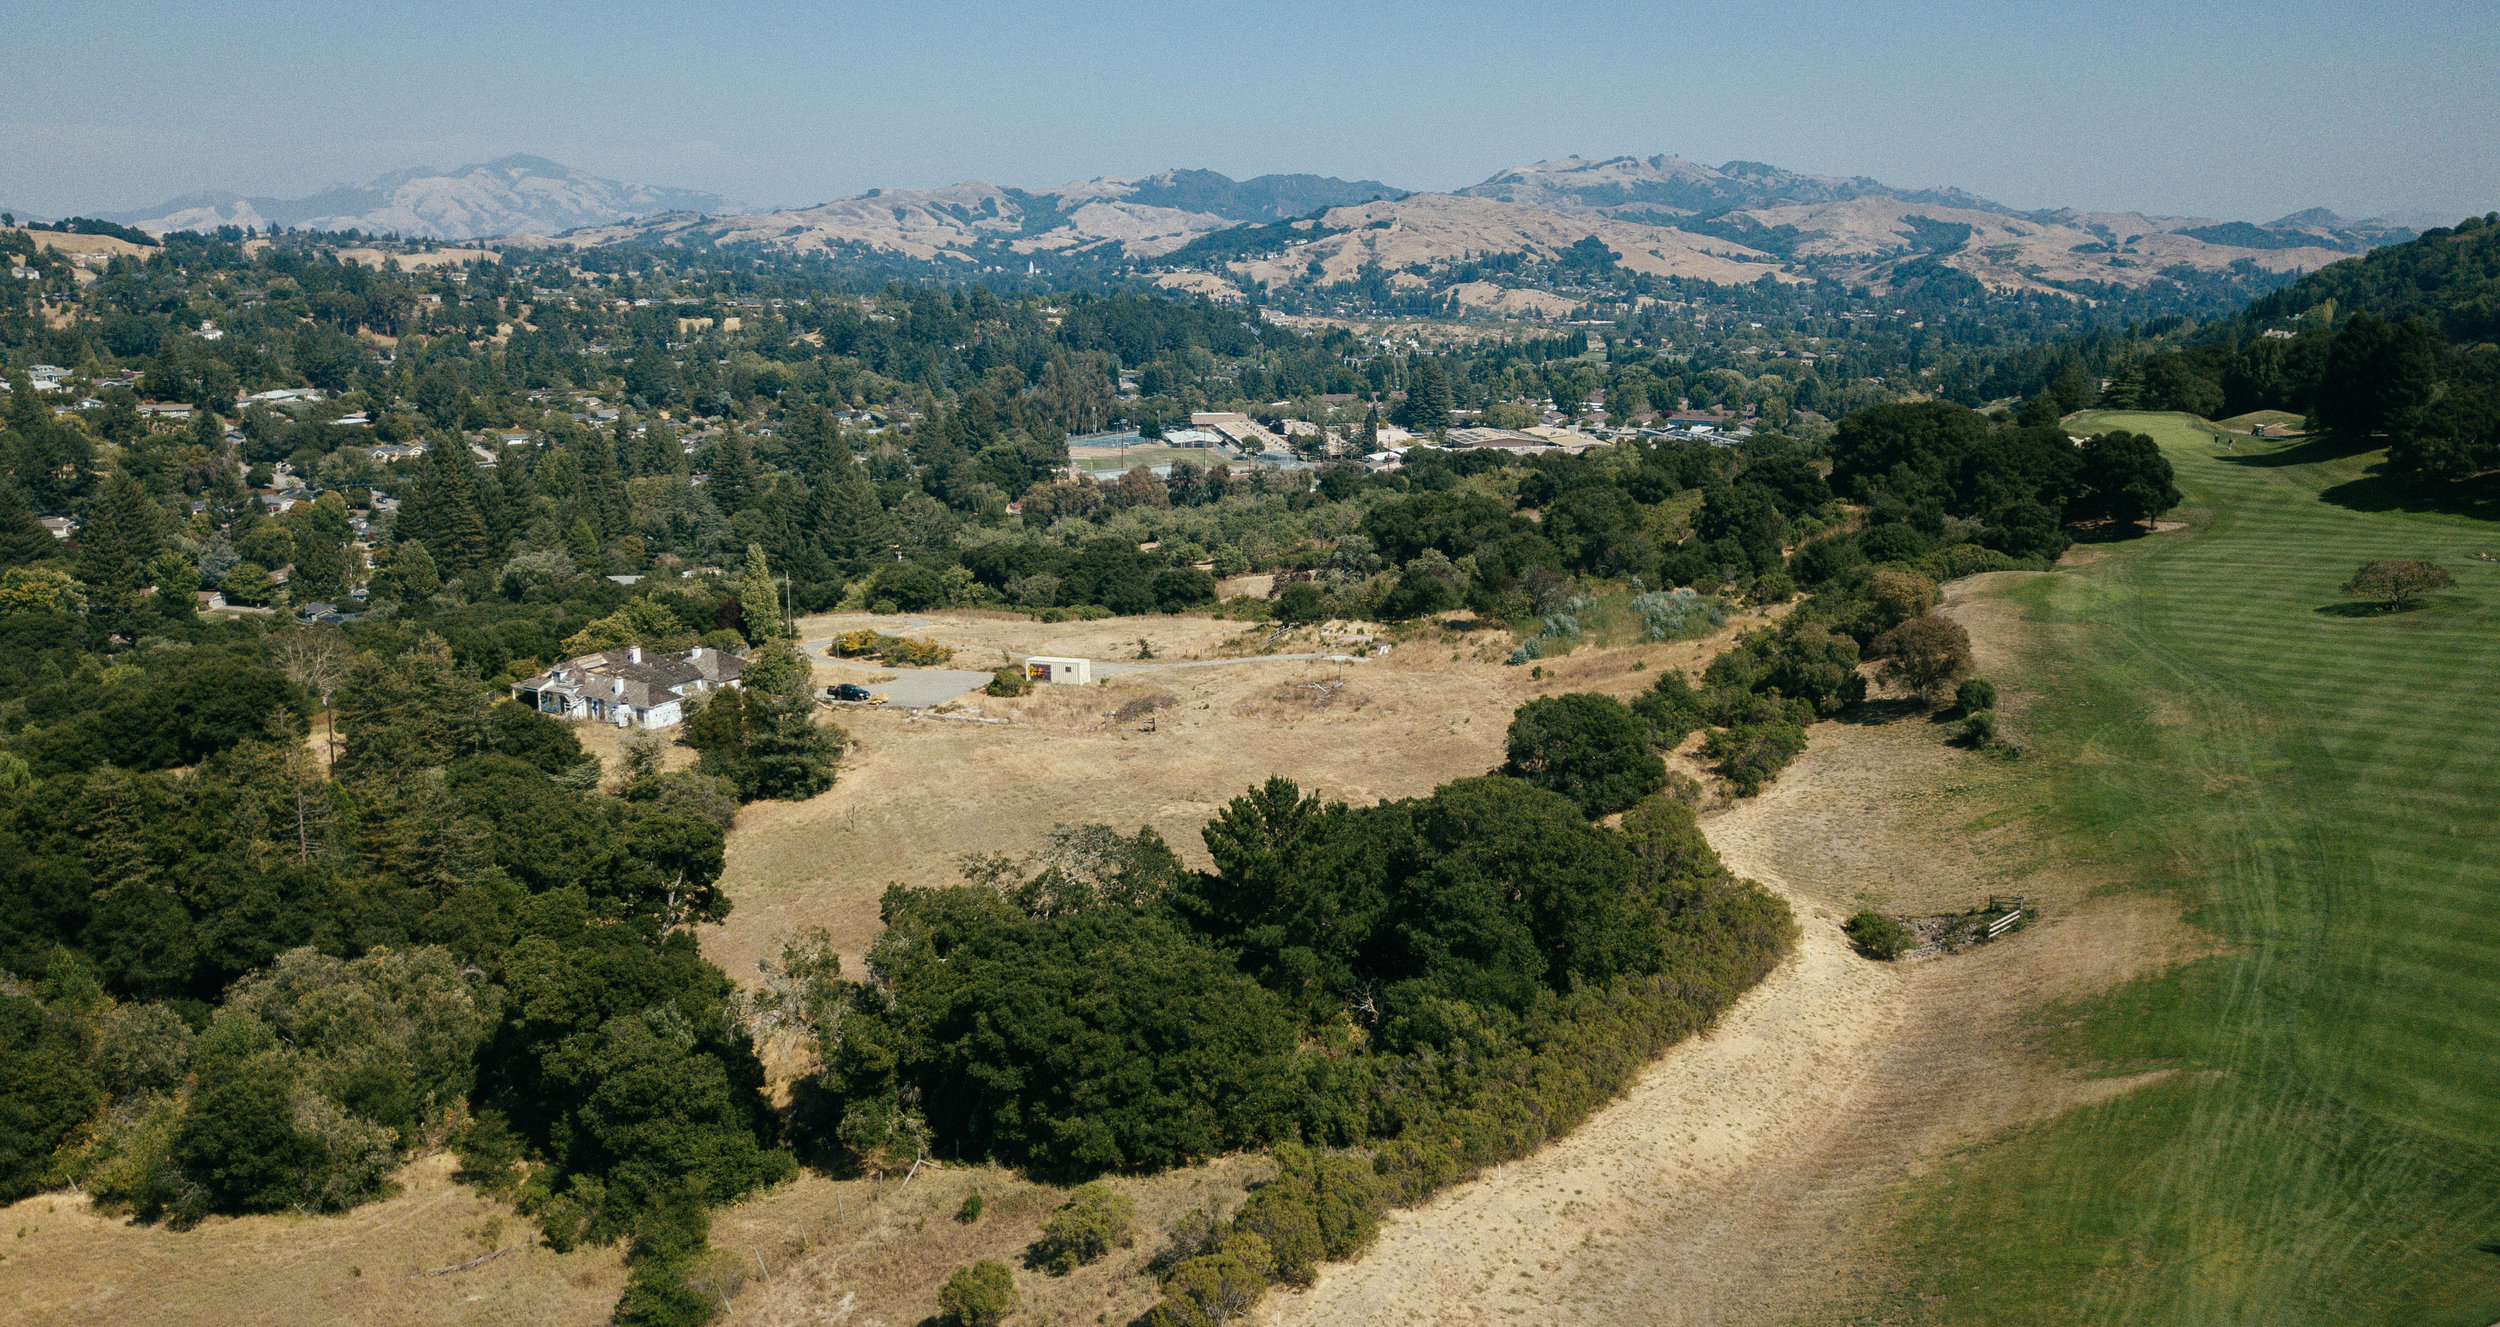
(2318, 790)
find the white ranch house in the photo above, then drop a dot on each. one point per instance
(629, 687)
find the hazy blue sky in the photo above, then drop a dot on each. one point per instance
(2234, 110)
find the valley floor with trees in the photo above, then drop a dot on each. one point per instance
(287, 904)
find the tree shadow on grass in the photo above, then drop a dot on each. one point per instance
(2379, 491)
(2106, 532)
(2429, 606)
(1874, 713)
(2310, 450)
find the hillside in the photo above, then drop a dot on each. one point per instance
(1441, 229)
(1645, 186)
(982, 223)
(2450, 276)
(1864, 236)
(1507, 245)
(507, 196)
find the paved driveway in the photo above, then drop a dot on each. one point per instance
(922, 688)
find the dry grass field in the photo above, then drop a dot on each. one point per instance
(919, 793)
(68, 1264)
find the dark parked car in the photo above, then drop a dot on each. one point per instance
(846, 691)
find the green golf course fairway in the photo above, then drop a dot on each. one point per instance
(2318, 785)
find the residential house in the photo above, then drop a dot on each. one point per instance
(283, 396)
(630, 687)
(1493, 437)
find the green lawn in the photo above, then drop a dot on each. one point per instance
(1152, 455)
(2322, 791)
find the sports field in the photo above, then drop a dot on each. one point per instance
(2319, 786)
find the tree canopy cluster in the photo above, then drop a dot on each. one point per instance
(1462, 975)
(243, 979)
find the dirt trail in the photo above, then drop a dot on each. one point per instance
(1742, 1173)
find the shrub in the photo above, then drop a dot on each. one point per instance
(971, 1210)
(1876, 935)
(1666, 836)
(1095, 1220)
(1209, 1291)
(1894, 543)
(1344, 1193)
(1668, 711)
(1751, 755)
(1301, 602)
(1280, 1213)
(1677, 614)
(1589, 748)
(1979, 730)
(1411, 1171)
(1010, 680)
(981, 1295)
(141, 1048)
(45, 1090)
(892, 651)
(1801, 659)
(1974, 695)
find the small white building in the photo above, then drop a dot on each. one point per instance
(631, 687)
(1063, 672)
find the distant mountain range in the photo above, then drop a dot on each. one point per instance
(511, 195)
(1659, 215)
(1202, 231)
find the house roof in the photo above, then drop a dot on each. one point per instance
(655, 679)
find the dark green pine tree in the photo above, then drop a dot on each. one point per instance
(603, 495)
(1428, 398)
(443, 513)
(229, 503)
(506, 495)
(21, 539)
(627, 449)
(53, 461)
(116, 542)
(843, 519)
(788, 755)
(816, 443)
(581, 543)
(733, 472)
